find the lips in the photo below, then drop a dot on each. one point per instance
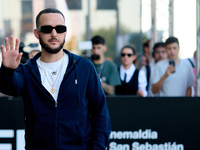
(53, 40)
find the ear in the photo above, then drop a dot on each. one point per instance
(65, 34)
(36, 33)
(105, 48)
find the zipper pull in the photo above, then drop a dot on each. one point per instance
(56, 104)
(75, 81)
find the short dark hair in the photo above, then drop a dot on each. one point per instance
(131, 47)
(98, 40)
(171, 40)
(146, 43)
(158, 44)
(45, 11)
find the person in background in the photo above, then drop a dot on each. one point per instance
(145, 61)
(173, 76)
(133, 81)
(158, 54)
(106, 69)
(25, 57)
(65, 106)
(192, 62)
(146, 58)
(33, 53)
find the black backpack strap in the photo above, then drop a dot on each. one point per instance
(191, 62)
(148, 76)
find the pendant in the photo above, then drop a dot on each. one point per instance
(52, 90)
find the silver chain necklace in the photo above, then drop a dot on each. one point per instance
(52, 89)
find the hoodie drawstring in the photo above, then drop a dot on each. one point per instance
(76, 82)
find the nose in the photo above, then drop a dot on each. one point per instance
(94, 51)
(53, 32)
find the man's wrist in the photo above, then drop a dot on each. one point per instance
(6, 71)
(166, 75)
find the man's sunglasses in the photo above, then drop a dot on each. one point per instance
(48, 29)
(123, 55)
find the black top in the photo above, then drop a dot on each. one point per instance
(129, 88)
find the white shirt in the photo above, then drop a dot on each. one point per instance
(54, 72)
(142, 81)
(175, 84)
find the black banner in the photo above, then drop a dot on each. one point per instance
(165, 123)
(154, 123)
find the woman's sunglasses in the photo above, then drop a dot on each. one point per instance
(48, 29)
(123, 55)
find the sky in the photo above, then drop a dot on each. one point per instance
(184, 22)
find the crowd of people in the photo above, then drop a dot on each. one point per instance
(162, 73)
(64, 94)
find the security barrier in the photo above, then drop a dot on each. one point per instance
(161, 123)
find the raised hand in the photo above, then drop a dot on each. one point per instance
(170, 70)
(10, 55)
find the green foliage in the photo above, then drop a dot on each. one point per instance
(135, 39)
(109, 36)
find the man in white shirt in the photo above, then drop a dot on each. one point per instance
(158, 54)
(172, 80)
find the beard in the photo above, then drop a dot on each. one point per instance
(48, 49)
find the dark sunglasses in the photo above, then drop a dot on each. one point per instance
(123, 54)
(48, 29)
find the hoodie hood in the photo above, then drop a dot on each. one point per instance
(73, 60)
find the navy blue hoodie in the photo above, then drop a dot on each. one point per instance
(79, 120)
